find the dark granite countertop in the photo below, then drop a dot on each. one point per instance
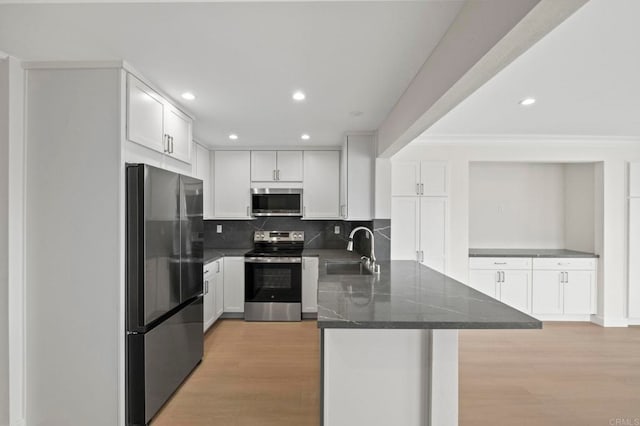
(408, 295)
(214, 254)
(528, 253)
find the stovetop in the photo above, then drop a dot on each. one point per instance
(277, 243)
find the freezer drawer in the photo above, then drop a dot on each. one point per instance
(158, 361)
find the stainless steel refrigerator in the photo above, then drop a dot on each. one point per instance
(164, 251)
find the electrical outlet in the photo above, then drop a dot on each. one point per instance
(219, 229)
(336, 229)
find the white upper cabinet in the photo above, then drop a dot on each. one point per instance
(289, 166)
(422, 178)
(358, 165)
(232, 171)
(145, 115)
(177, 128)
(202, 170)
(276, 166)
(321, 187)
(154, 122)
(263, 166)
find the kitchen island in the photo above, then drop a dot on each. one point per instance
(389, 343)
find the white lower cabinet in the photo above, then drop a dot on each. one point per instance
(208, 289)
(505, 279)
(310, 284)
(234, 284)
(213, 290)
(563, 292)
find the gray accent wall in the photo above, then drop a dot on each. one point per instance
(319, 234)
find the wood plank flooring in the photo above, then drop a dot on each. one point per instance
(264, 374)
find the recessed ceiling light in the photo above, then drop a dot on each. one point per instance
(299, 96)
(233, 136)
(305, 137)
(355, 113)
(528, 101)
(188, 96)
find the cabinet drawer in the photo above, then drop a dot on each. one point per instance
(565, 264)
(499, 263)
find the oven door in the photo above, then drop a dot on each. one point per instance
(273, 279)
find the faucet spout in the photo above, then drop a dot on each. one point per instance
(372, 255)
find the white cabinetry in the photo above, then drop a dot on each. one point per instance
(564, 286)
(232, 170)
(213, 289)
(419, 221)
(634, 244)
(506, 279)
(202, 170)
(321, 186)
(154, 122)
(310, 284)
(419, 178)
(276, 166)
(358, 166)
(208, 289)
(234, 284)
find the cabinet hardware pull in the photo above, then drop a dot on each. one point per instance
(278, 174)
(560, 292)
(304, 211)
(206, 271)
(422, 189)
(171, 144)
(497, 276)
(206, 287)
(499, 263)
(417, 189)
(421, 256)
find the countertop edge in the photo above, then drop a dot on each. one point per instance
(535, 325)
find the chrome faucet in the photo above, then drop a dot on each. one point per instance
(371, 260)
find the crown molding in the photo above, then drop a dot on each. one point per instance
(436, 139)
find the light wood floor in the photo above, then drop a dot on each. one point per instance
(264, 374)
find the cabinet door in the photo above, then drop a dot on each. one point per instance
(289, 166)
(231, 184)
(546, 293)
(515, 290)
(577, 292)
(405, 214)
(360, 177)
(233, 284)
(145, 114)
(203, 172)
(433, 178)
(178, 127)
(263, 166)
(433, 221)
(310, 284)
(344, 191)
(208, 287)
(405, 178)
(634, 254)
(219, 305)
(485, 281)
(321, 195)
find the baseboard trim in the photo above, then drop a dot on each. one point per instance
(565, 318)
(634, 321)
(603, 322)
(309, 315)
(19, 422)
(232, 315)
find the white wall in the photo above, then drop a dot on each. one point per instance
(609, 241)
(74, 247)
(579, 207)
(383, 189)
(4, 242)
(516, 205)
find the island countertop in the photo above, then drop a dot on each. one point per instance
(408, 295)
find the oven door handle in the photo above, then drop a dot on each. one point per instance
(272, 260)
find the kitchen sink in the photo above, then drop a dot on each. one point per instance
(345, 267)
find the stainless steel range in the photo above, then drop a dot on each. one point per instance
(273, 277)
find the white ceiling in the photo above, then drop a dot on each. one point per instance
(585, 75)
(244, 60)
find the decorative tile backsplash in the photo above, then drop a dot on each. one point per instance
(319, 234)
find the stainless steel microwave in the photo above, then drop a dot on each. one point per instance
(276, 202)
